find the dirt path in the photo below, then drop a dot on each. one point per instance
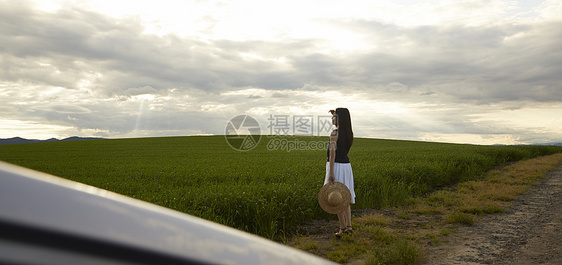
(529, 232)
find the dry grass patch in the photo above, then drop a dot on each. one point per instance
(481, 207)
(378, 234)
(374, 219)
(404, 215)
(425, 208)
(444, 197)
(525, 172)
(500, 191)
(349, 246)
(305, 243)
(399, 252)
(461, 218)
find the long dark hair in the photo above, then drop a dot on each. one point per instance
(344, 123)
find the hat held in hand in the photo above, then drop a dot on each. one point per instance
(334, 197)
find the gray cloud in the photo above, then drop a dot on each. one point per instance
(459, 61)
(468, 63)
(82, 69)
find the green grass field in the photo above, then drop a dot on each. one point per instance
(262, 191)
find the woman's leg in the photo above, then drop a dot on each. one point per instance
(347, 214)
(342, 218)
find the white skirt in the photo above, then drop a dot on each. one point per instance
(343, 174)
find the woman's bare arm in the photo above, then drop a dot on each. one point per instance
(332, 157)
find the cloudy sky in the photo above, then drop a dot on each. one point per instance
(471, 71)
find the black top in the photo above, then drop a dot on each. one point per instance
(342, 148)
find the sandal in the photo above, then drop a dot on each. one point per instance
(348, 230)
(340, 233)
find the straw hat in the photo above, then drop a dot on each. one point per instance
(334, 197)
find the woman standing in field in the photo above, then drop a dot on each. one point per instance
(338, 167)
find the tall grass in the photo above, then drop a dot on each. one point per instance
(261, 191)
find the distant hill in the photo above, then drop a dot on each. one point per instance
(19, 140)
(557, 144)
